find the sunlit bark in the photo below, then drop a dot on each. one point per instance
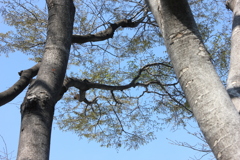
(38, 106)
(233, 82)
(209, 100)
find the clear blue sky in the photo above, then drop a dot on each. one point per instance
(66, 145)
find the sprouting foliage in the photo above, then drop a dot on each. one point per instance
(30, 26)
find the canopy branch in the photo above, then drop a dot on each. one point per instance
(84, 85)
(114, 98)
(106, 34)
(25, 78)
(81, 97)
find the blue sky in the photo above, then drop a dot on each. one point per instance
(66, 145)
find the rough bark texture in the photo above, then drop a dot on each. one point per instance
(211, 105)
(233, 82)
(38, 106)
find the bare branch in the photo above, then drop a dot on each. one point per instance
(106, 34)
(114, 98)
(81, 97)
(196, 147)
(25, 78)
(84, 85)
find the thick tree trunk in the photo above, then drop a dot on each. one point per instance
(233, 82)
(211, 105)
(38, 106)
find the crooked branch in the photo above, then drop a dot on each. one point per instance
(106, 34)
(84, 85)
(25, 78)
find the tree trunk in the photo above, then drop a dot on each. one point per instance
(210, 102)
(38, 106)
(233, 82)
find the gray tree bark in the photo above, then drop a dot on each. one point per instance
(214, 111)
(233, 82)
(38, 106)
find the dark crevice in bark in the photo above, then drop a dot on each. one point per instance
(234, 92)
(230, 4)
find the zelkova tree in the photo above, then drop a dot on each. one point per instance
(214, 110)
(38, 106)
(106, 110)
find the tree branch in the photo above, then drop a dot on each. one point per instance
(114, 98)
(84, 85)
(25, 78)
(106, 34)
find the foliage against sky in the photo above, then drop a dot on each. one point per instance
(124, 117)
